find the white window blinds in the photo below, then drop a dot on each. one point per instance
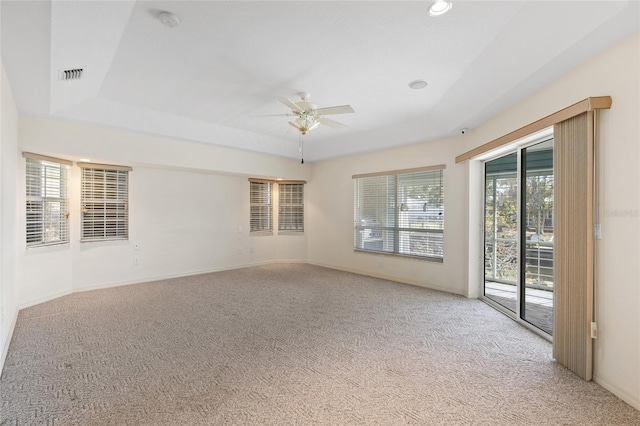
(400, 213)
(105, 203)
(261, 211)
(291, 209)
(47, 205)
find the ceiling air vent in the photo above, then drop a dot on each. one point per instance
(71, 74)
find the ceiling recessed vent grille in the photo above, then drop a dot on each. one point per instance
(71, 74)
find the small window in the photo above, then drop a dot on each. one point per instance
(291, 206)
(47, 205)
(400, 213)
(105, 202)
(261, 206)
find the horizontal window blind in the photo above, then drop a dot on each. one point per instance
(105, 204)
(261, 211)
(46, 202)
(291, 208)
(400, 213)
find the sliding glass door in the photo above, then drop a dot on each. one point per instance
(518, 234)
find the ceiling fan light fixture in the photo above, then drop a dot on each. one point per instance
(418, 84)
(440, 8)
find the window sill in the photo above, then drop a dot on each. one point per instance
(403, 256)
(299, 233)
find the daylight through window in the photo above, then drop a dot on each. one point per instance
(400, 212)
(261, 211)
(105, 202)
(47, 205)
(291, 200)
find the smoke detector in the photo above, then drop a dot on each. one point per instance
(168, 19)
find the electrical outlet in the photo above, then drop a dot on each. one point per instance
(594, 330)
(598, 231)
(251, 249)
(136, 260)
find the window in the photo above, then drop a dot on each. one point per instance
(400, 213)
(105, 202)
(260, 200)
(291, 200)
(47, 205)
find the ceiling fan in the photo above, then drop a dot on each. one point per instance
(309, 116)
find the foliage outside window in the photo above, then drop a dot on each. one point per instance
(46, 202)
(261, 210)
(400, 213)
(105, 202)
(291, 207)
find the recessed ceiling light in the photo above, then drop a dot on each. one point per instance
(418, 84)
(440, 8)
(168, 19)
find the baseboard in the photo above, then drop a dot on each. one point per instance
(45, 299)
(5, 350)
(627, 397)
(387, 277)
(106, 285)
(102, 286)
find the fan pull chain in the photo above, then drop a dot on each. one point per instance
(301, 148)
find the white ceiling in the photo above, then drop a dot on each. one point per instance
(229, 60)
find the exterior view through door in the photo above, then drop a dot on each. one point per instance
(518, 234)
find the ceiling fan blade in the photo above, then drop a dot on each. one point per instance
(332, 124)
(290, 104)
(342, 109)
(273, 115)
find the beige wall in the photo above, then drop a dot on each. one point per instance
(331, 217)
(613, 72)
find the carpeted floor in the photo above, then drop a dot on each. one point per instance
(287, 344)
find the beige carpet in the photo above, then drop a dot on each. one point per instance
(287, 344)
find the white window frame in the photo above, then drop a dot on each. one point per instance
(390, 217)
(105, 202)
(260, 206)
(291, 207)
(47, 201)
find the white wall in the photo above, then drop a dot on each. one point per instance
(8, 237)
(185, 207)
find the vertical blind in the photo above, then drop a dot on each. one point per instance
(47, 204)
(574, 243)
(291, 201)
(401, 213)
(260, 200)
(105, 204)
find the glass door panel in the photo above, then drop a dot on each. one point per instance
(501, 231)
(518, 234)
(537, 204)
